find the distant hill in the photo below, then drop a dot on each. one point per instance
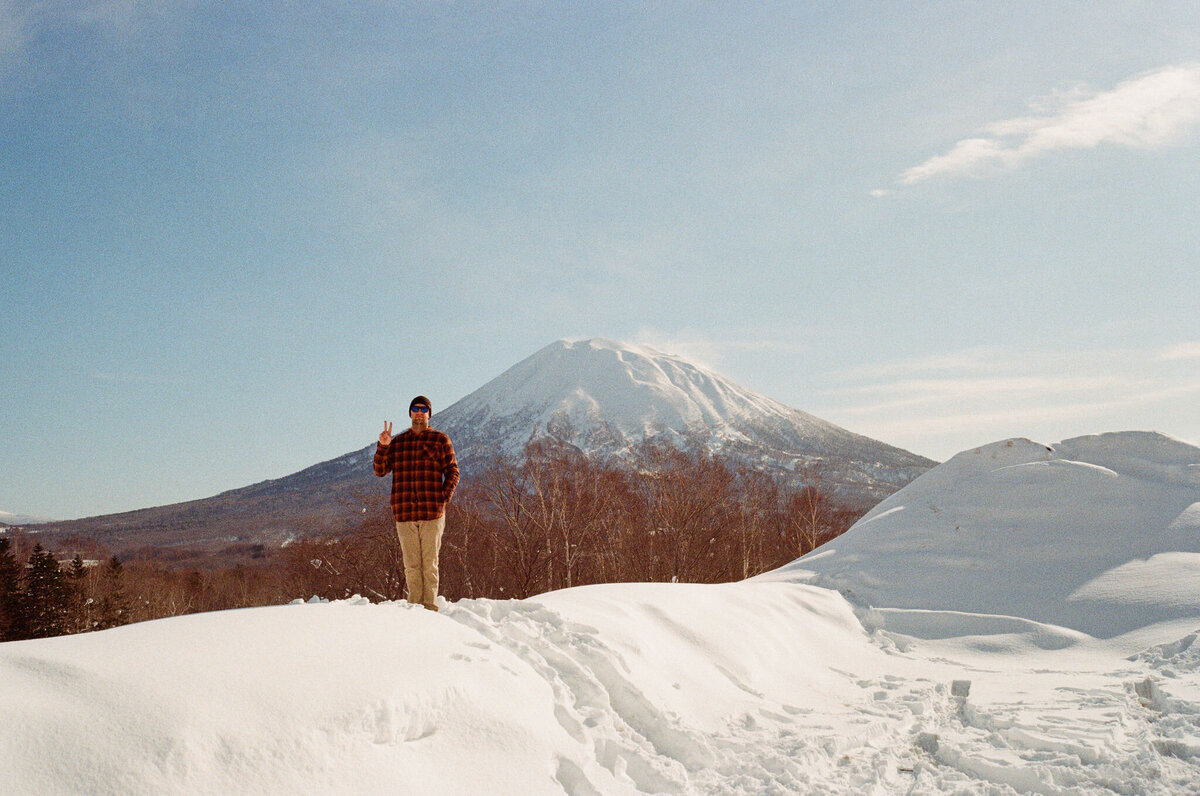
(9, 519)
(602, 397)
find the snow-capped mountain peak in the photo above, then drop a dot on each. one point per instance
(634, 389)
(606, 397)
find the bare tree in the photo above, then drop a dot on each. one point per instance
(690, 516)
(809, 516)
(759, 509)
(506, 488)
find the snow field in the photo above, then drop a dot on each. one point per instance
(344, 697)
(1021, 619)
(637, 688)
(1070, 721)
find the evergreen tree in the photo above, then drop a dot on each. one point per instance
(82, 603)
(12, 599)
(48, 595)
(114, 608)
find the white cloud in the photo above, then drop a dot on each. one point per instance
(941, 405)
(128, 379)
(703, 350)
(1151, 110)
(122, 20)
(974, 360)
(1181, 351)
(687, 343)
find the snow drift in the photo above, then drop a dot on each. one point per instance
(959, 664)
(1100, 534)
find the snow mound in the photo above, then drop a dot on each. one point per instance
(1100, 534)
(606, 689)
(744, 688)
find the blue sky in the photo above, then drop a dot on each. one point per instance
(235, 237)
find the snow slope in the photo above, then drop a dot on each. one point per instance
(773, 685)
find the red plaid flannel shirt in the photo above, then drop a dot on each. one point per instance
(424, 473)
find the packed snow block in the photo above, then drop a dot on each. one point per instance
(960, 688)
(927, 742)
(1149, 694)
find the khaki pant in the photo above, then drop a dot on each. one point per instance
(420, 543)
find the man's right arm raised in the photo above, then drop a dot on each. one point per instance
(383, 462)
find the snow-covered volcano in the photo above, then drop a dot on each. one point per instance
(601, 396)
(605, 397)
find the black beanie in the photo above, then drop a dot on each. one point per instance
(423, 401)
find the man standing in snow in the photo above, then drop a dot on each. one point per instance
(424, 475)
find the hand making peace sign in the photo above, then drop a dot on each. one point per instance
(385, 436)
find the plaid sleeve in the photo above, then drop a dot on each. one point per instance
(449, 470)
(383, 462)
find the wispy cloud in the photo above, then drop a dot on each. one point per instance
(21, 21)
(970, 360)
(117, 14)
(1150, 110)
(704, 350)
(1181, 351)
(933, 404)
(687, 343)
(129, 379)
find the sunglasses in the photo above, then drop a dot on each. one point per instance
(419, 408)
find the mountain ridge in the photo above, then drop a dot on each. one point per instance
(664, 396)
(599, 396)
